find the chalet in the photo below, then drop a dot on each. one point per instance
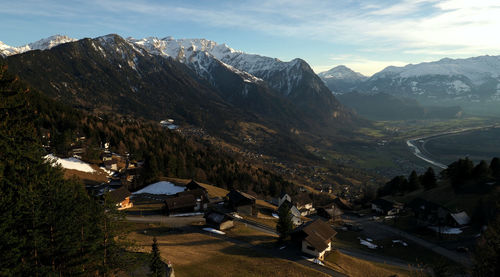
(180, 204)
(330, 212)
(201, 197)
(296, 217)
(241, 202)
(385, 207)
(315, 238)
(304, 203)
(428, 213)
(121, 197)
(219, 220)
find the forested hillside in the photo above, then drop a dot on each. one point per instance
(49, 226)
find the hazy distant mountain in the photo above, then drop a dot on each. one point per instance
(462, 80)
(341, 79)
(472, 83)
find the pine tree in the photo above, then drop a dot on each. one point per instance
(495, 168)
(285, 224)
(481, 172)
(429, 179)
(413, 181)
(487, 252)
(49, 225)
(156, 266)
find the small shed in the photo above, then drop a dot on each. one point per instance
(219, 220)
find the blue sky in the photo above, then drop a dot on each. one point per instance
(364, 35)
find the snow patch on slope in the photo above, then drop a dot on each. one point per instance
(70, 163)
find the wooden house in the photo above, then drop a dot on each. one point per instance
(219, 220)
(385, 207)
(241, 202)
(201, 197)
(315, 238)
(180, 204)
(428, 213)
(330, 212)
(121, 197)
(304, 203)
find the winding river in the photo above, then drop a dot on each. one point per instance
(417, 145)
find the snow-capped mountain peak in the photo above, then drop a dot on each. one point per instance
(42, 44)
(341, 72)
(477, 69)
(251, 67)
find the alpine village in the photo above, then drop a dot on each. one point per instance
(184, 157)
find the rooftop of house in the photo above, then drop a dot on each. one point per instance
(237, 196)
(119, 194)
(217, 217)
(318, 233)
(194, 185)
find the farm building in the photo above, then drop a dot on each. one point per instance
(241, 202)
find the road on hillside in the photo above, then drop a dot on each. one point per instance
(376, 226)
(185, 224)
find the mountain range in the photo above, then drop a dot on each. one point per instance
(235, 96)
(472, 83)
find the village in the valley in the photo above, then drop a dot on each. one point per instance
(193, 220)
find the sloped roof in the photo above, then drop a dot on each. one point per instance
(194, 185)
(461, 218)
(118, 195)
(217, 217)
(288, 205)
(237, 197)
(197, 193)
(318, 233)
